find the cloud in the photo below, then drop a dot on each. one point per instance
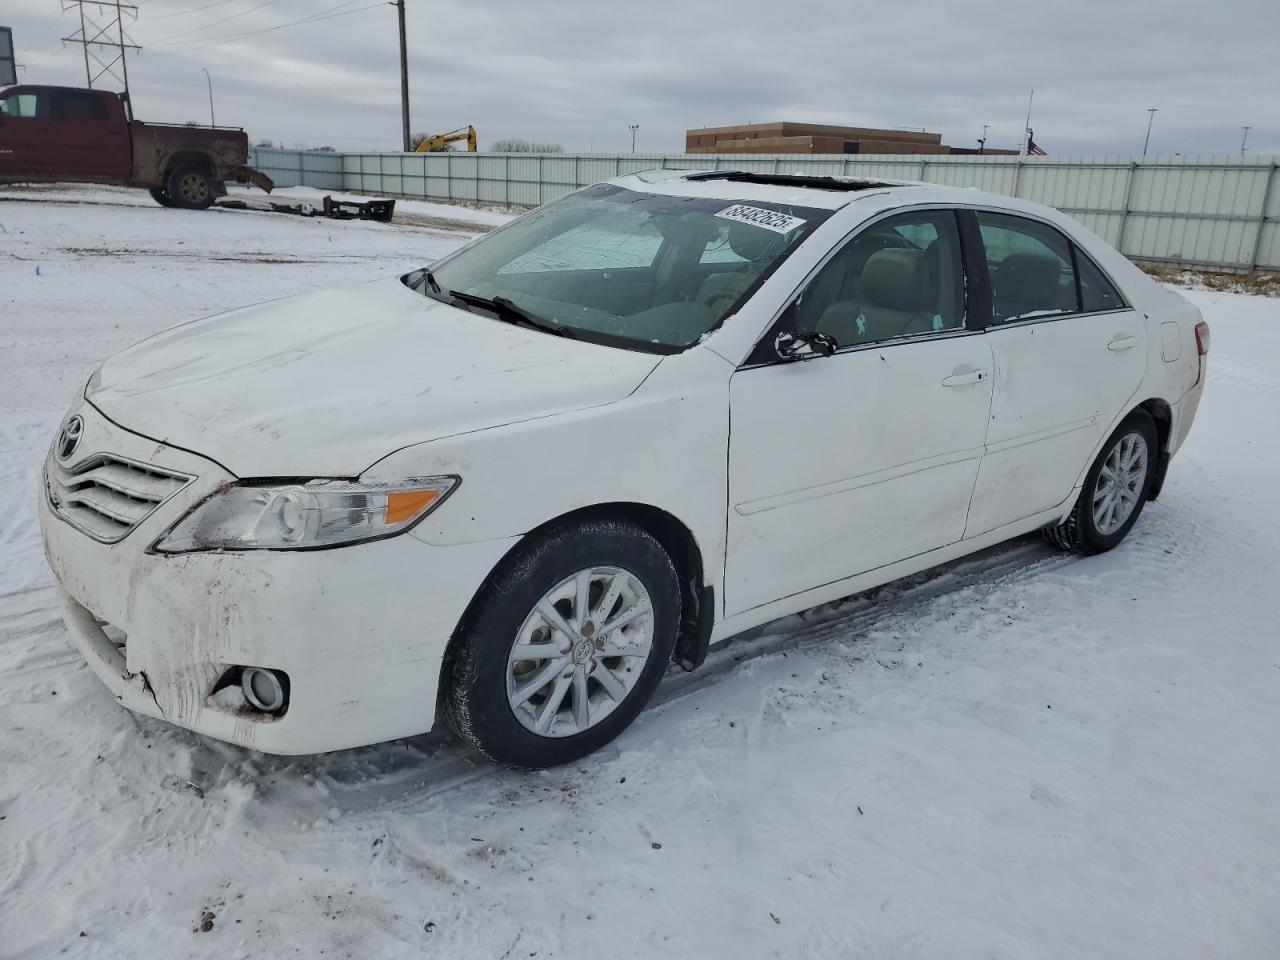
(578, 72)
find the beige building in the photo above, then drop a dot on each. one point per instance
(818, 138)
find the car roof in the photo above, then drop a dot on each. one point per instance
(822, 192)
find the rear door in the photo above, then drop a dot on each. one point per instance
(91, 143)
(846, 463)
(1070, 355)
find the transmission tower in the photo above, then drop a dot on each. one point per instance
(103, 37)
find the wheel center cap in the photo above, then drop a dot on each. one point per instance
(583, 651)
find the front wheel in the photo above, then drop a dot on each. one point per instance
(190, 187)
(564, 645)
(1115, 489)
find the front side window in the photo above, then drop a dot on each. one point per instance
(902, 276)
(21, 105)
(1031, 268)
(632, 269)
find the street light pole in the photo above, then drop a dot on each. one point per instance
(209, 79)
(633, 127)
(1151, 115)
(404, 77)
(1244, 139)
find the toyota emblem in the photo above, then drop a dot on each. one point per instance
(69, 437)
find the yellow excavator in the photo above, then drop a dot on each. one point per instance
(441, 140)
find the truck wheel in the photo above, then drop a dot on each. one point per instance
(160, 197)
(191, 188)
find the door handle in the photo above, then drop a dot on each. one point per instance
(962, 379)
(1122, 342)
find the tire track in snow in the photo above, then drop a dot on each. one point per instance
(421, 768)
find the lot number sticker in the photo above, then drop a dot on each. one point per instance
(760, 217)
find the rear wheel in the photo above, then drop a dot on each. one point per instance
(160, 197)
(564, 645)
(1115, 489)
(190, 187)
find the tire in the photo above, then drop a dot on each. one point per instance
(1090, 527)
(190, 187)
(160, 197)
(482, 680)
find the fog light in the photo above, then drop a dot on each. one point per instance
(263, 688)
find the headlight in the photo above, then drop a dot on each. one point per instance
(302, 516)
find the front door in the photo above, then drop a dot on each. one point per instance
(24, 128)
(1069, 358)
(846, 463)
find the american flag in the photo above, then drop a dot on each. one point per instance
(1033, 148)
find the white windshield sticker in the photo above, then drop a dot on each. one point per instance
(760, 217)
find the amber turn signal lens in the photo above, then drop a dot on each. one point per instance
(404, 505)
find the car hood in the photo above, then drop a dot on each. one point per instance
(328, 383)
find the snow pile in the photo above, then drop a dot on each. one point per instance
(1025, 755)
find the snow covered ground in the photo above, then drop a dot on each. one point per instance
(1024, 755)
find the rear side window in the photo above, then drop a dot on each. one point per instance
(77, 106)
(1031, 267)
(1096, 291)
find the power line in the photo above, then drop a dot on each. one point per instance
(196, 43)
(49, 26)
(183, 13)
(203, 42)
(215, 23)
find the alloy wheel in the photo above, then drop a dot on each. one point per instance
(580, 651)
(1121, 483)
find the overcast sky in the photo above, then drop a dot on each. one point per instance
(577, 72)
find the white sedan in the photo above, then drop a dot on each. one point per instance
(510, 489)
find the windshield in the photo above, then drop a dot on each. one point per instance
(630, 269)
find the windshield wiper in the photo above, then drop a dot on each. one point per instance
(424, 282)
(513, 312)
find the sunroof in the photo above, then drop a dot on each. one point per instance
(794, 180)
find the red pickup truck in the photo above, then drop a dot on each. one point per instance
(89, 136)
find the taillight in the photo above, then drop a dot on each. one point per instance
(1202, 338)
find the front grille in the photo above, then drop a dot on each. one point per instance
(105, 496)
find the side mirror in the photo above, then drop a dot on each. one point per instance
(803, 346)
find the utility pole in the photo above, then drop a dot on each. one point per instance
(1151, 115)
(1026, 129)
(982, 143)
(97, 25)
(212, 122)
(633, 127)
(404, 76)
(1245, 139)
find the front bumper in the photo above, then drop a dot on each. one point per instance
(360, 630)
